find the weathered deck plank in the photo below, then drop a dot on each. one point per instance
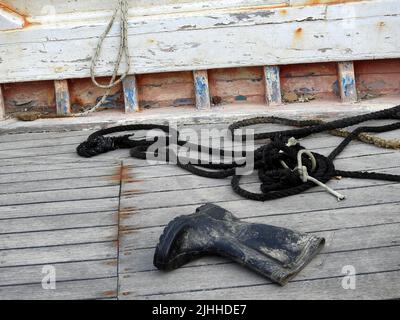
(69, 214)
(59, 215)
(380, 285)
(225, 275)
(83, 289)
(183, 42)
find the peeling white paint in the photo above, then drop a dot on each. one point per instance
(206, 39)
(9, 20)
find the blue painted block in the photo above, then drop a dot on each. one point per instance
(131, 96)
(272, 85)
(201, 89)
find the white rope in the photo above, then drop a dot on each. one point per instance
(303, 171)
(123, 51)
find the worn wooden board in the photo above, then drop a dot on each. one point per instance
(63, 215)
(59, 222)
(219, 276)
(83, 270)
(140, 260)
(75, 221)
(76, 290)
(352, 31)
(58, 254)
(370, 286)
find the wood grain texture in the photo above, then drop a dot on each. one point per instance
(70, 290)
(75, 221)
(237, 85)
(2, 105)
(246, 37)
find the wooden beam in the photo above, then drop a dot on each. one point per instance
(347, 81)
(2, 105)
(162, 43)
(273, 94)
(202, 90)
(63, 103)
(131, 96)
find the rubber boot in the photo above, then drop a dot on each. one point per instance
(276, 253)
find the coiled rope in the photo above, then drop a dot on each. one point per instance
(123, 51)
(281, 167)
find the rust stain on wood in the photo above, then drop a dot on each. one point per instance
(298, 32)
(126, 212)
(131, 192)
(123, 174)
(110, 293)
(381, 25)
(112, 263)
(283, 12)
(6, 7)
(331, 2)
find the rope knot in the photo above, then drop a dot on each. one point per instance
(100, 144)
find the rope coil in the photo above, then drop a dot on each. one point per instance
(123, 51)
(281, 166)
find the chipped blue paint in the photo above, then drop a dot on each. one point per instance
(201, 86)
(348, 85)
(130, 94)
(201, 91)
(241, 98)
(348, 90)
(272, 83)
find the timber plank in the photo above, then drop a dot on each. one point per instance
(58, 237)
(139, 260)
(59, 208)
(84, 289)
(57, 222)
(230, 275)
(369, 287)
(60, 184)
(165, 43)
(30, 166)
(58, 254)
(59, 195)
(148, 237)
(371, 194)
(81, 270)
(72, 173)
(189, 181)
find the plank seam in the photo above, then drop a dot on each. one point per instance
(231, 262)
(262, 284)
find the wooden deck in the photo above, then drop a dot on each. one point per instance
(98, 221)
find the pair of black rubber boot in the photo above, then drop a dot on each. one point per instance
(274, 252)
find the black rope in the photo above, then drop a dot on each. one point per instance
(276, 180)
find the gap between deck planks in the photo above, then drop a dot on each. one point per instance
(58, 231)
(59, 214)
(355, 232)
